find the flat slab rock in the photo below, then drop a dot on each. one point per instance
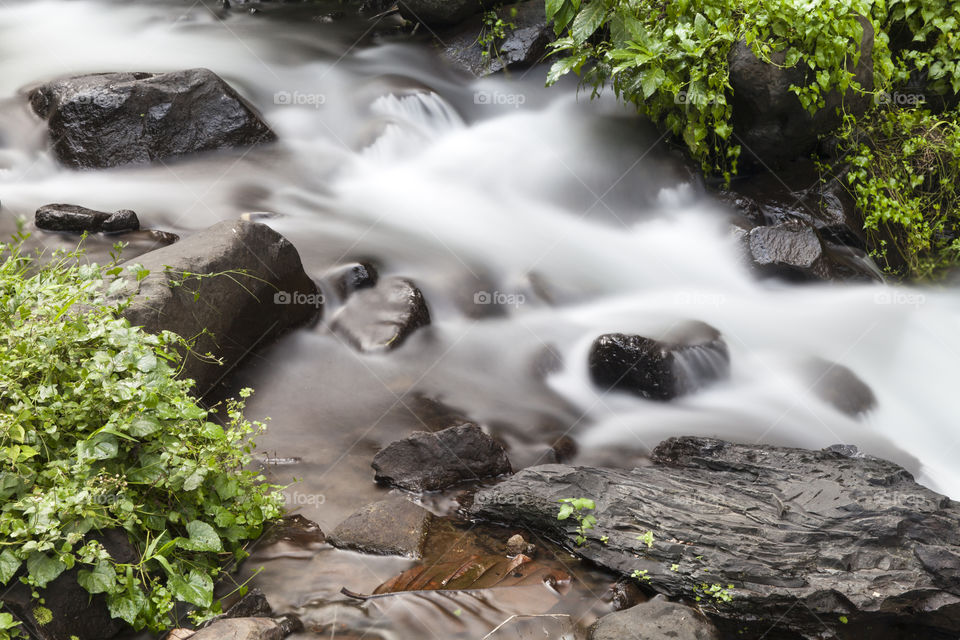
(113, 119)
(394, 526)
(814, 542)
(432, 461)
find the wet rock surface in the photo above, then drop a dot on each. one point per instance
(432, 461)
(805, 537)
(350, 278)
(394, 526)
(682, 360)
(382, 317)
(525, 43)
(439, 13)
(248, 629)
(769, 119)
(657, 619)
(77, 219)
(114, 119)
(242, 310)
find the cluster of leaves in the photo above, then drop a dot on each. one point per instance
(670, 59)
(904, 170)
(97, 434)
(577, 508)
(494, 31)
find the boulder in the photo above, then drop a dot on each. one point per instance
(814, 543)
(248, 629)
(350, 278)
(441, 13)
(525, 42)
(839, 386)
(678, 362)
(76, 219)
(251, 289)
(657, 619)
(768, 117)
(382, 317)
(393, 527)
(432, 461)
(112, 119)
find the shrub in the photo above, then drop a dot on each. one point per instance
(97, 433)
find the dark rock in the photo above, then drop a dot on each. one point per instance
(249, 629)
(657, 619)
(768, 118)
(839, 386)
(431, 461)
(806, 538)
(517, 545)
(348, 279)
(113, 119)
(626, 593)
(382, 317)
(76, 219)
(241, 310)
(394, 526)
(525, 43)
(439, 13)
(681, 361)
(75, 613)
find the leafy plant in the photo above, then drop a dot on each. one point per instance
(904, 167)
(97, 434)
(717, 592)
(494, 31)
(577, 508)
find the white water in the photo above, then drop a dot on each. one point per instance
(400, 163)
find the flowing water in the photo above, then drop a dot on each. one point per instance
(533, 219)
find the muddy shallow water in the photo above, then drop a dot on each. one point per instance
(533, 219)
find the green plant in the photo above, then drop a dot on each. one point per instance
(8, 627)
(640, 575)
(577, 507)
(493, 31)
(97, 434)
(717, 592)
(904, 168)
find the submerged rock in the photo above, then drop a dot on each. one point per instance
(249, 629)
(657, 619)
(382, 317)
(432, 461)
(77, 219)
(813, 542)
(252, 289)
(684, 359)
(394, 526)
(525, 43)
(112, 119)
(839, 386)
(350, 278)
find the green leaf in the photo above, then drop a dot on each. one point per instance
(127, 606)
(197, 588)
(203, 537)
(565, 512)
(147, 362)
(652, 80)
(102, 579)
(589, 19)
(553, 7)
(44, 569)
(9, 565)
(561, 68)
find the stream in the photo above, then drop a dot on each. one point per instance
(534, 219)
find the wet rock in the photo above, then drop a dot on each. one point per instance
(681, 361)
(806, 538)
(556, 626)
(626, 593)
(249, 629)
(75, 614)
(657, 619)
(394, 526)
(839, 386)
(112, 119)
(349, 279)
(382, 317)
(439, 13)
(767, 116)
(518, 545)
(522, 47)
(790, 250)
(432, 461)
(76, 219)
(241, 310)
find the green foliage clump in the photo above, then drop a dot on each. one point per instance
(577, 508)
(97, 434)
(904, 172)
(494, 31)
